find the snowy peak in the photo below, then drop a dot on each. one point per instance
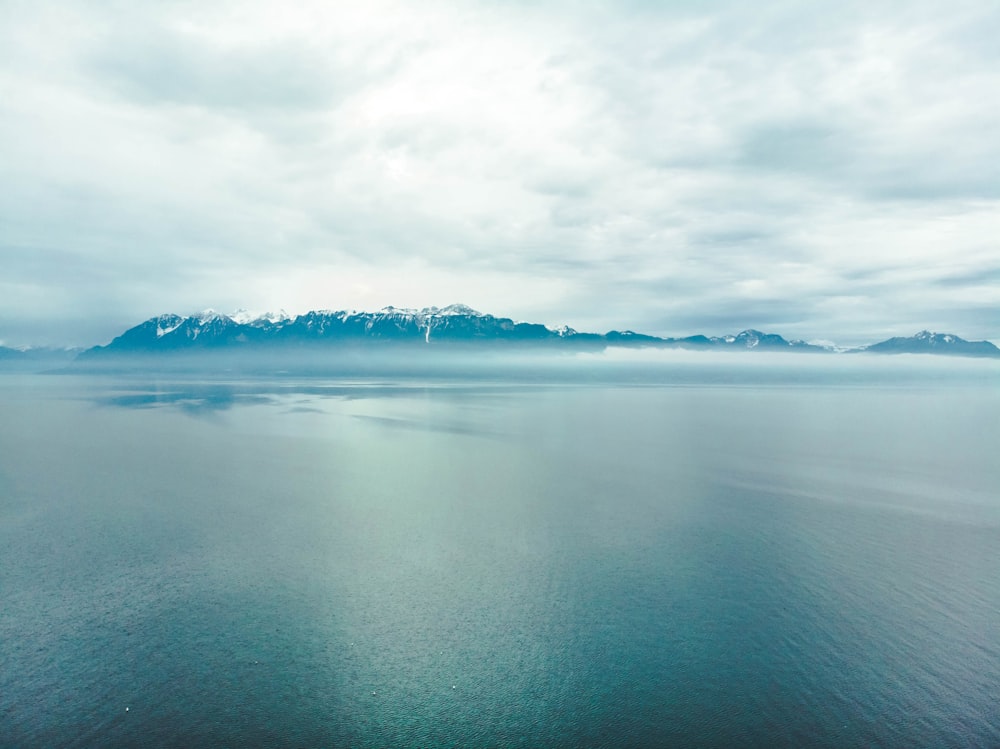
(245, 317)
(927, 342)
(167, 324)
(208, 315)
(421, 314)
(455, 324)
(451, 309)
(749, 338)
(938, 339)
(754, 339)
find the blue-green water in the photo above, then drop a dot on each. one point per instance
(775, 558)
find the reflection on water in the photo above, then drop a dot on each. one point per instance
(350, 563)
(451, 427)
(194, 399)
(213, 396)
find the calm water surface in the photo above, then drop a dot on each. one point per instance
(734, 558)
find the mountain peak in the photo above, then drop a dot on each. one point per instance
(208, 315)
(451, 326)
(246, 317)
(752, 339)
(460, 309)
(927, 342)
(167, 324)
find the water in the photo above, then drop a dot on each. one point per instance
(810, 559)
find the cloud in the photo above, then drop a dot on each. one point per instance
(831, 170)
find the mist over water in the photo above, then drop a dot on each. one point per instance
(623, 552)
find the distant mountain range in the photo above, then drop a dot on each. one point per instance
(366, 335)
(35, 358)
(453, 325)
(926, 342)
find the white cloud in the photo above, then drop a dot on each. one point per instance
(828, 171)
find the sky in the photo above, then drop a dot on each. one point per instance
(822, 170)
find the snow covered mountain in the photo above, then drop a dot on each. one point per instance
(926, 342)
(456, 325)
(754, 339)
(212, 330)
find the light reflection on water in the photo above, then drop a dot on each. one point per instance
(780, 562)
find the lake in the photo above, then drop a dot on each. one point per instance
(686, 551)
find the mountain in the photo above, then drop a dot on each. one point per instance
(35, 359)
(363, 337)
(926, 342)
(453, 326)
(754, 339)
(211, 330)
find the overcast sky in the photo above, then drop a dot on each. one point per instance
(825, 170)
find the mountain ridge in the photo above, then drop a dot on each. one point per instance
(928, 342)
(456, 325)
